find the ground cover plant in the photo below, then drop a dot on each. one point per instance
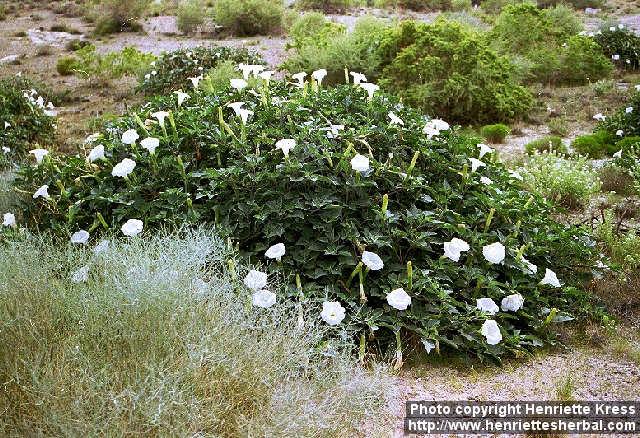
(153, 336)
(26, 118)
(172, 70)
(400, 227)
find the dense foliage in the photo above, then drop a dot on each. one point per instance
(549, 143)
(356, 179)
(495, 133)
(596, 145)
(625, 121)
(449, 70)
(621, 45)
(173, 69)
(87, 63)
(23, 118)
(249, 17)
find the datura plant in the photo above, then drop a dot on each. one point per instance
(390, 222)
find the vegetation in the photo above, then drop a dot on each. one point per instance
(550, 143)
(156, 338)
(596, 145)
(119, 15)
(570, 182)
(327, 6)
(495, 133)
(249, 17)
(621, 45)
(190, 15)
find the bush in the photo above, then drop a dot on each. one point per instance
(324, 45)
(622, 43)
(624, 249)
(23, 109)
(161, 331)
(420, 192)
(424, 5)
(569, 182)
(596, 145)
(624, 120)
(327, 6)
(66, 65)
(550, 143)
(617, 179)
(173, 69)
(190, 15)
(89, 64)
(558, 126)
(581, 62)
(495, 133)
(249, 17)
(119, 15)
(446, 69)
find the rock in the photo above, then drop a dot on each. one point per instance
(9, 59)
(43, 38)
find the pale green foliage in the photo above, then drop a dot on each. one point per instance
(190, 15)
(568, 181)
(142, 350)
(624, 249)
(249, 17)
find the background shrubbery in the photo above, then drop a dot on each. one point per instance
(249, 17)
(622, 42)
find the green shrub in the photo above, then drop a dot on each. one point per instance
(328, 6)
(550, 143)
(596, 145)
(173, 69)
(569, 182)
(624, 249)
(23, 109)
(160, 329)
(119, 15)
(92, 65)
(66, 65)
(495, 133)
(334, 49)
(618, 179)
(424, 5)
(449, 70)
(620, 44)
(249, 17)
(74, 45)
(581, 61)
(420, 193)
(313, 29)
(558, 126)
(461, 5)
(217, 80)
(495, 6)
(625, 121)
(190, 15)
(577, 4)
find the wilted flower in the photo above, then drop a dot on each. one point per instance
(80, 237)
(550, 278)
(300, 78)
(319, 75)
(398, 299)
(255, 280)
(512, 303)
(6, 150)
(238, 84)
(484, 150)
(487, 305)
(428, 345)
(372, 260)
(160, 115)
(369, 88)
(244, 115)
(332, 312)
(358, 77)
(42, 192)
(619, 132)
(150, 144)
(130, 136)
(195, 81)
(181, 97)
(39, 154)
(395, 120)
(286, 144)
(530, 267)
(91, 138)
(250, 69)
(491, 332)
(237, 106)
(615, 57)
(101, 247)
(263, 298)
(123, 168)
(9, 220)
(96, 153)
(266, 75)
(475, 164)
(81, 275)
(453, 248)
(494, 253)
(628, 110)
(599, 117)
(486, 181)
(618, 154)
(276, 251)
(132, 227)
(515, 175)
(360, 163)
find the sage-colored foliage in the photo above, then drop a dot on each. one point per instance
(212, 168)
(173, 69)
(448, 70)
(28, 124)
(249, 17)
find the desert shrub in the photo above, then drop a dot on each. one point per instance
(623, 248)
(577, 4)
(334, 49)
(617, 179)
(65, 65)
(172, 70)
(249, 17)
(558, 126)
(420, 191)
(549, 143)
(160, 329)
(424, 5)
(190, 15)
(74, 45)
(625, 121)
(596, 145)
(567, 181)
(327, 6)
(461, 5)
(90, 64)
(313, 29)
(620, 44)
(495, 133)
(119, 15)
(547, 41)
(446, 69)
(23, 118)
(495, 6)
